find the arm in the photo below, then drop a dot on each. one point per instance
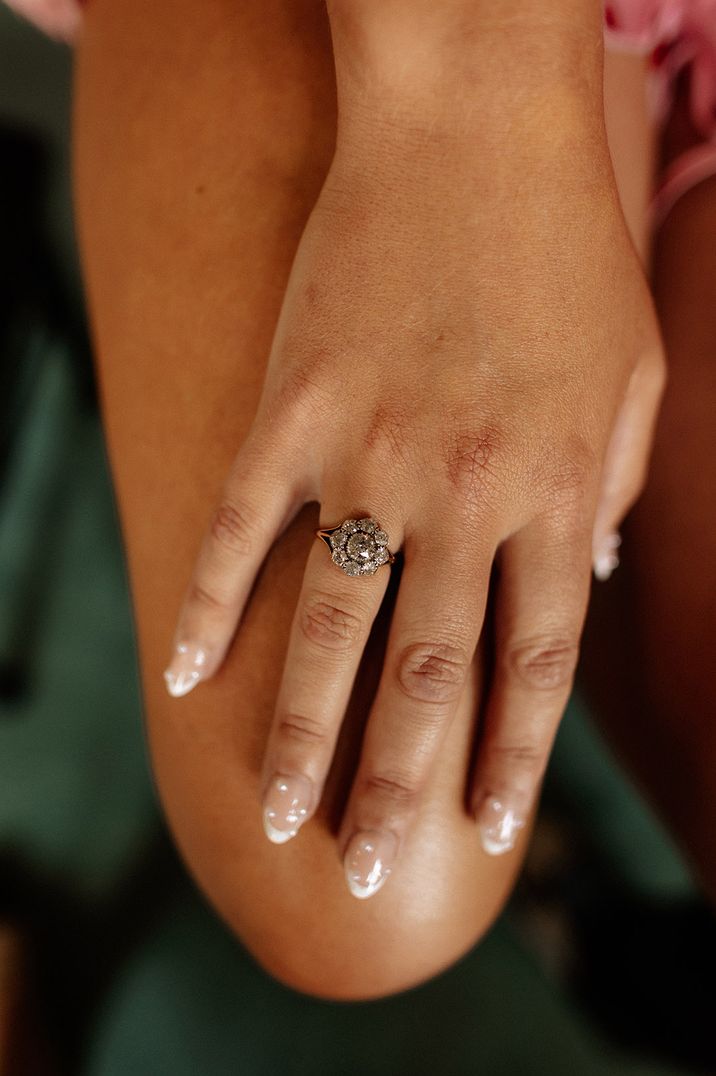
(467, 349)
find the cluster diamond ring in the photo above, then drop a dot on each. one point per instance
(358, 546)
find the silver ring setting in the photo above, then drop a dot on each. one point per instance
(358, 546)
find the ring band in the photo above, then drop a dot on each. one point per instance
(358, 546)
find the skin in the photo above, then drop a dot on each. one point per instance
(164, 201)
(496, 416)
(180, 373)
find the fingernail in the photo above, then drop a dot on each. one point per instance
(606, 558)
(286, 805)
(185, 669)
(368, 862)
(498, 824)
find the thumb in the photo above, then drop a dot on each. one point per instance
(626, 460)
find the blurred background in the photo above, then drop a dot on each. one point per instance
(111, 964)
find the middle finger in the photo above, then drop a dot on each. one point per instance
(434, 633)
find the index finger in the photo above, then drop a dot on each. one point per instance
(257, 501)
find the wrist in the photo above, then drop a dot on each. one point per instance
(465, 64)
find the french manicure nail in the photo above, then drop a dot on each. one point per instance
(368, 862)
(498, 824)
(286, 804)
(185, 669)
(606, 558)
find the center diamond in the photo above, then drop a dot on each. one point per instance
(360, 546)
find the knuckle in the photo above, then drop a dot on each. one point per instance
(572, 477)
(206, 599)
(568, 481)
(543, 664)
(297, 728)
(329, 625)
(391, 789)
(659, 368)
(471, 459)
(233, 528)
(568, 472)
(662, 373)
(523, 755)
(388, 436)
(634, 488)
(305, 389)
(433, 672)
(657, 378)
(653, 362)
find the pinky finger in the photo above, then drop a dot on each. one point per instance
(258, 500)
(541, 602)
(627, 459)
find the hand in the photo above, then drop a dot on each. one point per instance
(467, 351)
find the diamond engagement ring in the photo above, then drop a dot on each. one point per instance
(358, 546)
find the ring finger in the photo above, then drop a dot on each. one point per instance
(334, 614)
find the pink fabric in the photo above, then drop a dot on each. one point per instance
(676, 34)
